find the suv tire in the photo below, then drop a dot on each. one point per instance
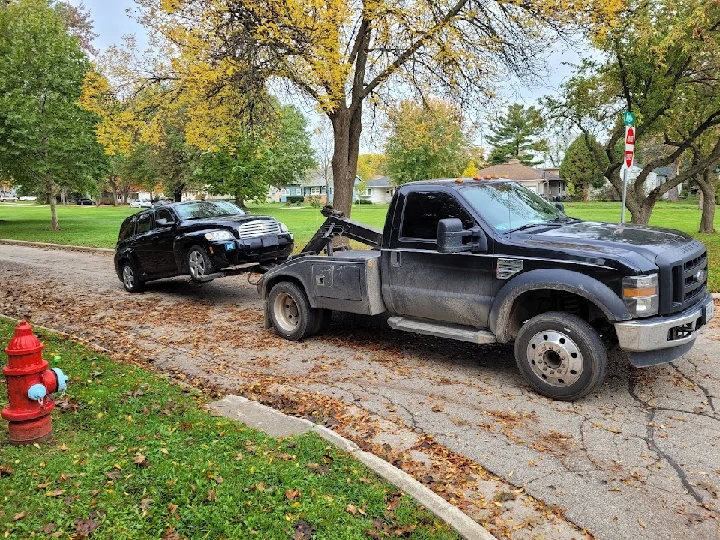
(130, 277)
(199, 264)
(561, 355)
(290, 312)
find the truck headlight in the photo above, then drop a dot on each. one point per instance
(219, 236)
(640, 294)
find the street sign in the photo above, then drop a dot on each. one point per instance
(629, 145)
(629, 118)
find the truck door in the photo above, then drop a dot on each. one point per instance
(418, 281)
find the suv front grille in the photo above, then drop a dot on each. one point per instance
(258, 227)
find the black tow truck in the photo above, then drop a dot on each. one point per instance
(492, 262)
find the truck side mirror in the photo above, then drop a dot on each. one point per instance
(450, 235)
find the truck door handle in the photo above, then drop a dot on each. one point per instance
(395, 260)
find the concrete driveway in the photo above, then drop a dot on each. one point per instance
(639, 458)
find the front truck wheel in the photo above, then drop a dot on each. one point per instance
(561, 355)
(292, 316)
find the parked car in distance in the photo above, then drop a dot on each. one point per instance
(7, 197)
(140, 204)
(196, 238)
(85, 202)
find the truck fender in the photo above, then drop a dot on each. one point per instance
(590, 288)
(292, 270)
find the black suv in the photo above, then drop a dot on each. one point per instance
(198, 238)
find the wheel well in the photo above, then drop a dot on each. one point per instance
(275, 280)
(532, 303)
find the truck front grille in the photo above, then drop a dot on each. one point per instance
(689, 280)
(258, 227)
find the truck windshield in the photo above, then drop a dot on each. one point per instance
(205, 209)
(508, 206)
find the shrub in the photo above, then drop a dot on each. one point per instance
(292, 199)
(363, 201)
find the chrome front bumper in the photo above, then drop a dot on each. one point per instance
(657, 333)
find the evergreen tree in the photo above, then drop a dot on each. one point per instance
(518, 135)
(583, 165)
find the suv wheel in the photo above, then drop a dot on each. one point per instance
(199, 264)
(290, 312)
(561, 355)
(131, 278)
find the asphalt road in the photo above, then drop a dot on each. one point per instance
(639, 458)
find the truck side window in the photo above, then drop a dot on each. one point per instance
(144, 223)
(423, 210)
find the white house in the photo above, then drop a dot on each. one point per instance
(378, 190)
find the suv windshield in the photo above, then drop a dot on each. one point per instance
(205, 209)
(508, 206)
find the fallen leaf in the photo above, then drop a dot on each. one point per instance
(85, 526)
(140, 460)
(292, 494)
(317, 468)
(172, 508)
(211, 496)
(19, 515)
(54, 492)
(303, 530)
(351, 509)
(47, 529)
(145, 505)
(63, 447)
(642, 523)
(5, 470)
(171, 534)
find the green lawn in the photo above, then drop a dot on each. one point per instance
(98, 227)
(134, 456)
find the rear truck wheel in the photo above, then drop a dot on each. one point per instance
(561, 355)
(323, 320)
(199, 264)
(290, 312)
(131, 278)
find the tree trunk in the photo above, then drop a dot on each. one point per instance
(50, 190)
(586, 192)
(706, 197)
(673, 195)
(177, 193)
(63, 195)
(346, 135)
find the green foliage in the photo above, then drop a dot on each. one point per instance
(517, 135)
(135, 456)
(583, 165)
(293, 199)
(46, 140)
(275, 153)
(425, 142)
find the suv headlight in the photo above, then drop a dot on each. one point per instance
(640, 294)
(283, 227)
(219, 236)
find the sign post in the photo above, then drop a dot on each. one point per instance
(629, 121)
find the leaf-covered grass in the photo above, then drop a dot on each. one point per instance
(98, 227)
(134, 456)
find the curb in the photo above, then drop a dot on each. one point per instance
(463, 524)
(67, 247)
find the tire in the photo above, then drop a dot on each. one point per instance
(324, 317)
(290, 312)
(199, 264)
(130, 277)
(561, 355)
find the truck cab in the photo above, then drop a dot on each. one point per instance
(490, 261)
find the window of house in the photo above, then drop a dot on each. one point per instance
(368, 191)
(423, 211)
(315, 191)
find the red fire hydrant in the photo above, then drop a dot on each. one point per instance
(29, 383)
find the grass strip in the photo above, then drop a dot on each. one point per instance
(135, 456)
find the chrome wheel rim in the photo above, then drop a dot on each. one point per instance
(287, 314)
(196, 263)
(128, 277)
(555, 358)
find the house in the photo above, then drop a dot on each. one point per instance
(655, 178)
(378, 190)
(543, 181)
(315, 187)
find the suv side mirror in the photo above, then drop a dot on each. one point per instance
(162, 222)
(560, 206)
(450, 235)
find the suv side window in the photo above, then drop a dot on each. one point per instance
(127, 228)
(144, 223)
(164, 213)
(424, 209)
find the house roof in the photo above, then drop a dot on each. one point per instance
(514, 170)
(379, 181)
